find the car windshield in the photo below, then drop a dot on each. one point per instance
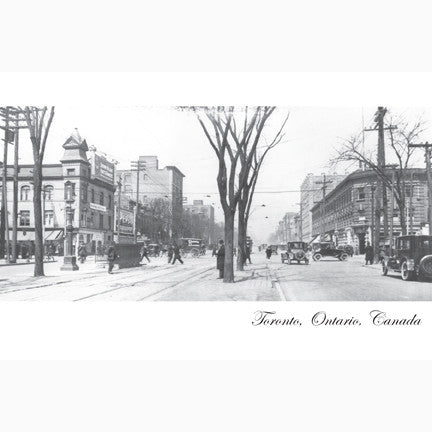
(296, 245)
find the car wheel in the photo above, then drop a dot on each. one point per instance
(317, 257)
(384, 269)
(343, 257)
(407, 275)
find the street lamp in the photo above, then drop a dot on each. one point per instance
(69, 259)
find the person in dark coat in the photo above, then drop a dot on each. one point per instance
(247, 255)
(177, 256)
(369, 254)
(144, 253)
(268, 252)
(82, 252)
(220, 260)
(170, 254)
(111, 256)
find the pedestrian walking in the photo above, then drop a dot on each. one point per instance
(170, 253)
(112, 256)
(144, 253)
(220, 260)
(82, 253)
(248, 253)
(268, 252)
(177, 256)
(369, 254)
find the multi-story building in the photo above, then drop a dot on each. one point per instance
(86, 178)
(288, 228)
(153, 182)
(311, 192)
(345, 216)
(207, 219)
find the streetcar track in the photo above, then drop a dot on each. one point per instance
(176, 284)
(133, 284)
(88, 276)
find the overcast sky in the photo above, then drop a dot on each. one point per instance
(311, 134)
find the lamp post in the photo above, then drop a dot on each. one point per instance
(69, 260)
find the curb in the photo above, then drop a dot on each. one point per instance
(24, 263)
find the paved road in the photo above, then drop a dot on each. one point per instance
(345, 281)
(265, 280)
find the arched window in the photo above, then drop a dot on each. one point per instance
(25, 193)
(48, 192)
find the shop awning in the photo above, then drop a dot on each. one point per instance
(53, 235)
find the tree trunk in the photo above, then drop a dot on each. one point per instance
(37, 206)
(402, 218)
(241, 241)
(229, 242)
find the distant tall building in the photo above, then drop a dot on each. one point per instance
(154, 182)
(311, 193)
(287, 229)
(206, 213)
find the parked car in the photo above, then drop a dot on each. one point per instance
(348, 249)
(296, 251)
(328, 249)
(412, 258)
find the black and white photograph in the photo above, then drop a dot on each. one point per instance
(215, 216)
(216, 203)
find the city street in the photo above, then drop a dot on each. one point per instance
(197, 279)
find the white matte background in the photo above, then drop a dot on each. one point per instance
(201, 366)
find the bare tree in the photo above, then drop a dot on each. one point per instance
(352, 150)
(235, 147)
(39, 126)
(246, 197)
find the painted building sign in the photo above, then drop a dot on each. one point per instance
(126, 221)
(102, 169)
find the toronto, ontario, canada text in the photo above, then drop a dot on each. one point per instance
(321, 318)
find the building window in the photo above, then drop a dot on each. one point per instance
(69, 191)
(84, 193)
(70, 171)
(361, 193)
(109, 201)
(25, 218)
(408, 191)
(25, 193)
(49, 218)
(101, 198)
(101, 221)
(128, 189)
(127, 178)
(92, 196)
(109, 222)
(84, 219)
(49, 190)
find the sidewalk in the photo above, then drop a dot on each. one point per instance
(24, 261)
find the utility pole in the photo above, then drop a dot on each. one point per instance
(137, 166)
(381, 204)
(8, 137)
(324, 183)
(427, 148)
(11, 118)
(393, 167)
(119, 185)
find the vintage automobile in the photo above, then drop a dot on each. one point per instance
(412, 258)
(328, 249)
(296, 251)
(274, 249)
